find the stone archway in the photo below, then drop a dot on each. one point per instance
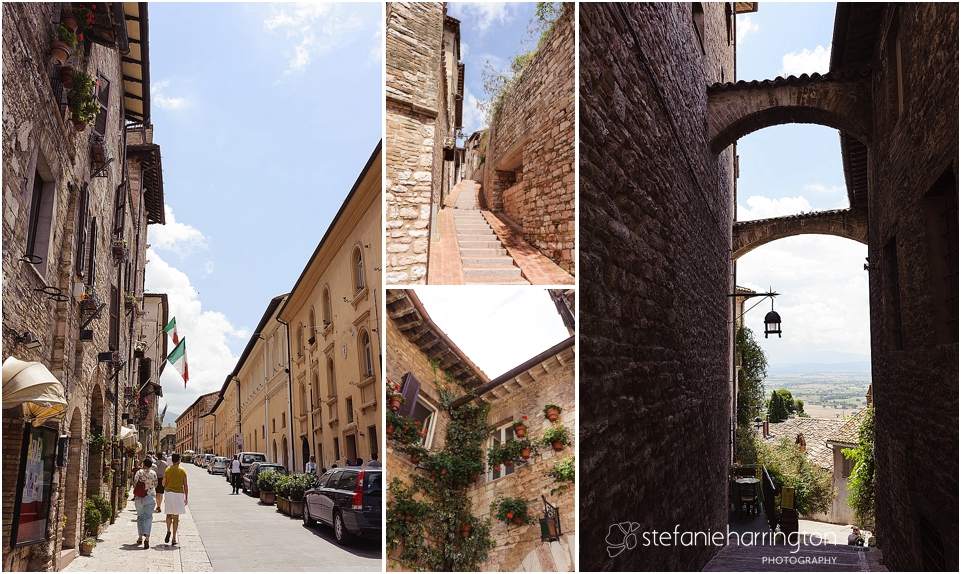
(95, 457)
(847, 223)
(73, 510)
(833, 100)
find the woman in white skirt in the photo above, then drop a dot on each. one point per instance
(175, 496)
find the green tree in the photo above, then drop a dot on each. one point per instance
(753, 371)
(790, 403)
(861, 481)
(776, 409)
(813, 488)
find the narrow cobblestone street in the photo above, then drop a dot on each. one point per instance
(223, 532)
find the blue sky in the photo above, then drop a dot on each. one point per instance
(265, 114)
(490, 32)
(791, 169)
(512, 325)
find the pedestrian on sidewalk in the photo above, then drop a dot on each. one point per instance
(175, 497)
(235, 474)
(144, 491)
(161, 465)
(311, 466)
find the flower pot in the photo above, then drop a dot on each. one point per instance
(473, 477)
(414, 458)
(517, 521)
(508, 463)
(296, 508)
(66, 76)
(86, 549)
(390, 430)
(118, 251)
(520, 431)
(395, 402)
(552, 415)
(78, 125)
(283, 504)
(557, 445)
(497, 467)
(525, 453)
(70, 23)
(59, 52)
(465, 530)
(268, 497)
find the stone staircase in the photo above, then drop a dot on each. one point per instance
(483, 256)
(788, 558)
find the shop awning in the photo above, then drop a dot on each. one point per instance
(128, 436)
(33, 386)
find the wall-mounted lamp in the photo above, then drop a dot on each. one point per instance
(345, 300)
(28, 340)
(772, 321)
(551, 523)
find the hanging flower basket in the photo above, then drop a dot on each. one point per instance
(551, 412)
(395, 402)
(525, 453)
(59, 52)
(66, 76)
(520, 427)
(70, 22)
(466, 529)
(390, 430)
(557, 445)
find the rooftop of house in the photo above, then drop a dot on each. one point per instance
(847, 434)
(816, 433)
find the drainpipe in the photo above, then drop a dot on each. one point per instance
(290, 420)
(240, 429)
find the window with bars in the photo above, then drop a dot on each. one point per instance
(892, 288)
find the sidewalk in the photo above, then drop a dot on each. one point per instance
(116, 552)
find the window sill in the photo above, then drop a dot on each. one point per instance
(366, 382)
(327, 330)
(361, 296)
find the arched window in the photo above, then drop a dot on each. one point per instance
(327, 313)
(314, 391)
(313, 327)
(300, 341)
(367, 358)
(331, 385)
(303, 399)
(358, 261)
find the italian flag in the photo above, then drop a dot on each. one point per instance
(178, 358)
(171, 328)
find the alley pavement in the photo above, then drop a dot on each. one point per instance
(224, 532)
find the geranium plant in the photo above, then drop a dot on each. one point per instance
(552, 407)
(62, 34)
(511, 510)
(520, 426)
(81, 97)
(557, 433)
(563, 474)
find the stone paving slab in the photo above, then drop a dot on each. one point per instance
(116, 552)
(534, 265)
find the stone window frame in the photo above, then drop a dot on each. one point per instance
(103, 100)
(697, 19)
(895, 70)
(43, 202)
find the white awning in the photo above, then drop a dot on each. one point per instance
(128, 436)
(32, 385)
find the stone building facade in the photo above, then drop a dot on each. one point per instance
(528, 172)
(413, 342)
(77, 200)
(425, 86)
(190, 430)
(656, 210)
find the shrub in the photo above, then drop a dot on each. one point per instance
(282, 485)
(861, 481)
(563, 474)
(813, 488)
(557, 433)
(298, 484)
(91, 518)
(267, 480)
(103, 506)
(510, 509)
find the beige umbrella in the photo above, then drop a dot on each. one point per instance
(128, 436)
(34, 387)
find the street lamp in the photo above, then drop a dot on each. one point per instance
(772, 321)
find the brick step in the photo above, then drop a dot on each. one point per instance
(495, 244)
(489, 252)
(472, 225)
(495, 281)
(477, 237)
(492, 272)
(503, 261)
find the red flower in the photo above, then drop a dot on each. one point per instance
(93, 6)
(524, 417)
(416, 422)
(510, 515)
(80, 37)
(443, 472)
(406, 427)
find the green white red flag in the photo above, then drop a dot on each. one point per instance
(178, 358)
(171, 328)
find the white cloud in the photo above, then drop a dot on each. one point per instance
(480, 15)
(314, 28)
(824, 295)
(179, 238)
(806, 62)
(765, 207)
(163, 101)
(209, 267)
(464, 49)
(745, 26)
(838, 193)
(473, 116)
(206, 334)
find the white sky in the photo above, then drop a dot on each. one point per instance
(497, 327)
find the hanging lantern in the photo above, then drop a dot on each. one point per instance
(772, 324)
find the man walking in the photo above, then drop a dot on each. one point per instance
(161, 465)
(175, 500)
(235, 477)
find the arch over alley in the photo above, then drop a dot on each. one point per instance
(847, 223)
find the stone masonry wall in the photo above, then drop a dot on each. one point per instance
(538, 114)
(520, 547)
(414, 134)
(655, 273)
(916, 386)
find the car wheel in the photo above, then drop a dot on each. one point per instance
(340, 530)
(308, 520)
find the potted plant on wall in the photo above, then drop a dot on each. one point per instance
(520, 427)
(557, 436)
(266, 483)
(62, 42)
(82, 100)
(526, 449)
(394, 398)
(551, 412)
(511, 510)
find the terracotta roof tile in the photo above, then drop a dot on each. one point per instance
(816, 433)
(848, 433)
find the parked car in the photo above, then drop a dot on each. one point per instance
(207, 458)
(250, 478)
(218, 465)
(349, 500)
(246, 459)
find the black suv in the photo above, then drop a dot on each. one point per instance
(350, 500)
(250, 478)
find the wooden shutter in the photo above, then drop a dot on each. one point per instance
(120, 210)
(82, 216)
(410, 390)
(92, 254)
(103, 98)
(114, 341)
